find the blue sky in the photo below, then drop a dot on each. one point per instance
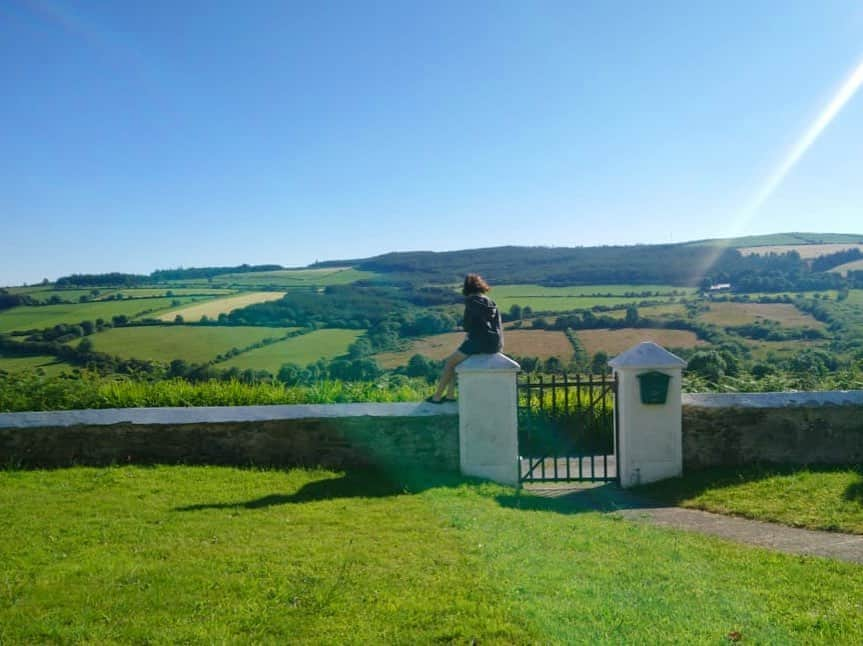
(144, 135)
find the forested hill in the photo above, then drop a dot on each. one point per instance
(673, 264)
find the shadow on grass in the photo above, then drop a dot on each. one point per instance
(602, 498)
(360, 483)
(694, 483)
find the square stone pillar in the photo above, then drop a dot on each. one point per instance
(649, 434)
(488, 418)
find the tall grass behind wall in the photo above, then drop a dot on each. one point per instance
(565, 420)
(30, 392)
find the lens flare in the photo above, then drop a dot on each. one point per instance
(846, 92)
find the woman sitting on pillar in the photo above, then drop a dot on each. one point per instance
(484, 334)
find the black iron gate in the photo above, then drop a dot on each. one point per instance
(566, 428)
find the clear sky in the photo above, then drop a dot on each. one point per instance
(144, 135)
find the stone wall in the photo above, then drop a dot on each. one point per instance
(795, 428)
(341, 435)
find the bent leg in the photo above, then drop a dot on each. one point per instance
(447, 379)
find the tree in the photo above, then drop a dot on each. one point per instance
(515, 312)
(418, 366)
(599, 363)
(85, 346)
(178, 320)
(526, 312)
(631, 316)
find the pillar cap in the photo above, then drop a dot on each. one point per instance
(498, 362)
(647, 355)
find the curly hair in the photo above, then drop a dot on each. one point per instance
(474, 284)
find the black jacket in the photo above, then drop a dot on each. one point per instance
(482, 322)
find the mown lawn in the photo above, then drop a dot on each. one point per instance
(213, 554)
(828, 498)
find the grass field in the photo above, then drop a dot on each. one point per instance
(762, 350)
(212, 308)
(192, 343)
(829, 498)
(46, 364)
(730, 314)
(564, 299)
(288, 278)
(28, 318)
(224, 555)
(530, 343)
(301, 350)
(653, 312)
(614, 342)
(857, 265)
(806, 251)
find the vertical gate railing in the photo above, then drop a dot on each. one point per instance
(566, 428)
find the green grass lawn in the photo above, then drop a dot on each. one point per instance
(193, 343)
(28, 318)
(301, 350)
(829, 498)
(223, 555)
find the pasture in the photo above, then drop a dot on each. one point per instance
(39, 317)
(301, 350)
(671, 310)
(46, 364)
(565, 299)
(212, 308)
(180, 554)
(531, 343)
(857, 265)
(290, 278)
(613, 342)
(806, 251)
(192, 343)
(730, 314)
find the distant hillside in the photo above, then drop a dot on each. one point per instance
(782, 239)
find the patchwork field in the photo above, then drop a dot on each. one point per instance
(301, 350)
(42, 363)
(43, 316)
(653, 312)
(806, 251)
(564, 299)
(532, 343)
(212, 308)
(192, 343)
(857, 265)
(288, 278)
(614, 342)
(729, 314)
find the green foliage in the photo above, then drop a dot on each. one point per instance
(29, 392)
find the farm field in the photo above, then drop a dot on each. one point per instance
(561, 304)
(653, 311)
(51, 366)
(212, 308)
(192, 343)
(287, 278)
(301, 350)
(43, 316)
(532, 343)
(614, 342)
(730, 314)
(857, 265)
(806, 251)
(181, 554)
(508, 291)
(763, 350)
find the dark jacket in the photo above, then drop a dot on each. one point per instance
(482, 322)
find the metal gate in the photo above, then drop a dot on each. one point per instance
(566, 428)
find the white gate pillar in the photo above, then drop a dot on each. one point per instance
(488, 418)
(649, 431)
